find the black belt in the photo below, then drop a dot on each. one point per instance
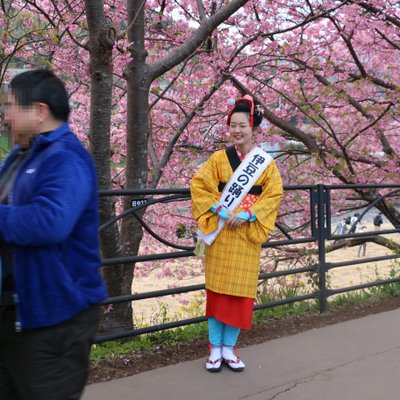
(256, 189)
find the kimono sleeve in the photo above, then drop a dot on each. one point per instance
(204, 193)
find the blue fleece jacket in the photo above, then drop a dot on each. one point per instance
(51, 221)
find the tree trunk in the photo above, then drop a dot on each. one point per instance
(101, 42)
(137, 124)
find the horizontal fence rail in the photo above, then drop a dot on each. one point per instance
(318, 202)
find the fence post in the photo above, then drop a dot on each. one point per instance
(321, 237)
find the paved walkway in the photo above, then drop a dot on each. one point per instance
(353, 360)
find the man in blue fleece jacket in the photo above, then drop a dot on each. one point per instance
(51, 286)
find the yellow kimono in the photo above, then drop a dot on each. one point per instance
(232, 261)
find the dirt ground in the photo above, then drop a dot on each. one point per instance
(136, 363)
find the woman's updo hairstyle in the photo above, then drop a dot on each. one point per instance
(247, 105)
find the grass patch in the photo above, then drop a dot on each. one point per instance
(149, 342)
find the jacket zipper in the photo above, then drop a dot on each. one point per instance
(15, 295)
(18, 327)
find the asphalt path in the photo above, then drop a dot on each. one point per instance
(357, 359)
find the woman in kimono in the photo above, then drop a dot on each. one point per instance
(233, 258)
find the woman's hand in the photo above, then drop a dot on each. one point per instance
(240, 218)
(235, 222)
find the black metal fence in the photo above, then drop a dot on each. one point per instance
(318, 203)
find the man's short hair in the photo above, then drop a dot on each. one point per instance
(41, 86)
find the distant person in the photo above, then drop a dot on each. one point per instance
(363, 246)
(378, 221)
(353, 222)
(51, 286)
(341, 227)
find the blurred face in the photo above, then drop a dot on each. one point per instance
(22, 121)
(240, 131)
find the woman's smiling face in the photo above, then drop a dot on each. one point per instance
(240, 131)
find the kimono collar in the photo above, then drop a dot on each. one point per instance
(240, 154)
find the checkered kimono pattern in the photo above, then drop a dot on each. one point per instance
(233, 259)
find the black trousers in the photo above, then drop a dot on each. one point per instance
(46, 363)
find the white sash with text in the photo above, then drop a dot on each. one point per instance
(245, 176)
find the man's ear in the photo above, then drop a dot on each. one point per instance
(43, 112)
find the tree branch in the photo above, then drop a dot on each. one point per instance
(170, 147)
(205, 29)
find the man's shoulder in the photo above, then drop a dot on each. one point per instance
(66, 153)
(67, 143)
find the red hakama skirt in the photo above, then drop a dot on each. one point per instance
(231, 310)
